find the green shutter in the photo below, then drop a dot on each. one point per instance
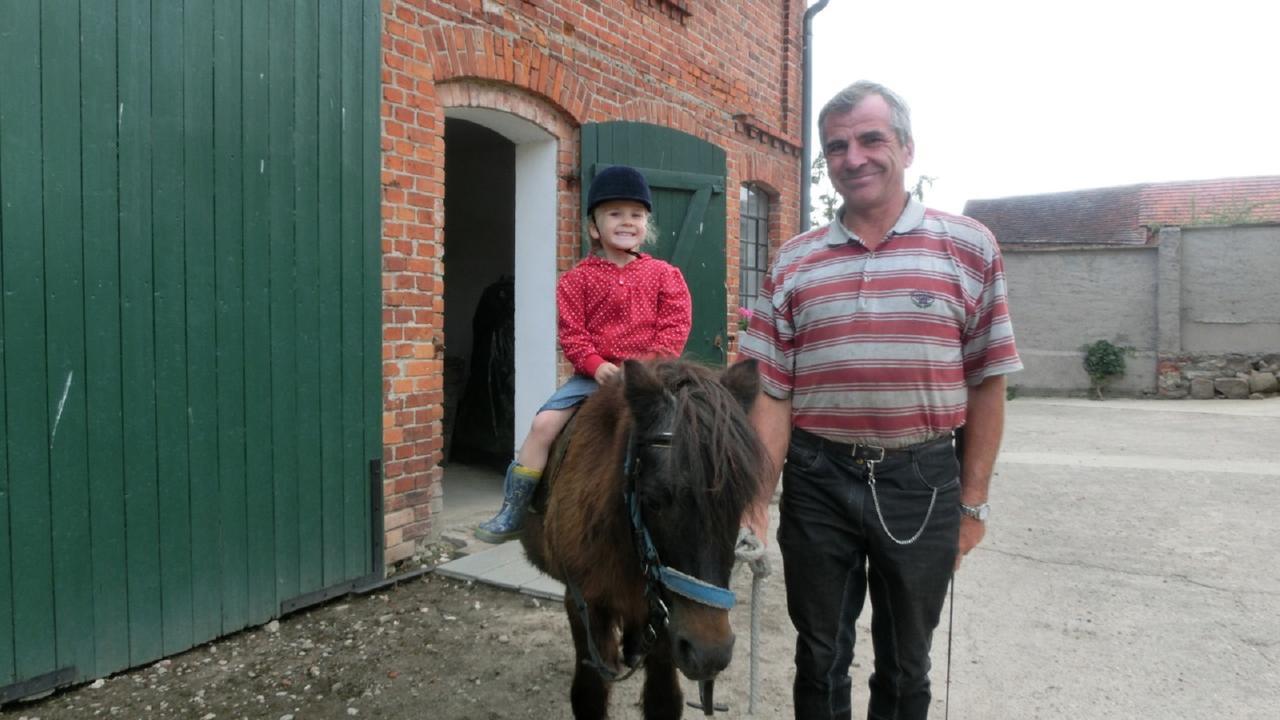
(687, 178)
(190, 340)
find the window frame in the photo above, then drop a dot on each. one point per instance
(754, 207)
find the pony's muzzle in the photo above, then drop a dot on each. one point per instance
(703, 655)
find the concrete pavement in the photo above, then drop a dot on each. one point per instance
(1129, 570)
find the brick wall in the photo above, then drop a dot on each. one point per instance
(726, 71)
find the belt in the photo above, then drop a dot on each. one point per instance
(866, 453)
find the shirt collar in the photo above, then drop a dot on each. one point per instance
(596, 258)
(912, 218)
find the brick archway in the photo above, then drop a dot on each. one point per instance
(458, 53)
(660, 112)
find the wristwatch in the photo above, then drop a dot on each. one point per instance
(977, 512)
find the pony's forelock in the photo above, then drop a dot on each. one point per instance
(715, 454)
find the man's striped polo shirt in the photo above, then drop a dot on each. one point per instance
(878, 346)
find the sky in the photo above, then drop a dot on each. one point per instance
(1020, 97)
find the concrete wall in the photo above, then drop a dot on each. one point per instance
(1199, 297)
(1064, 299)
(1231, 290)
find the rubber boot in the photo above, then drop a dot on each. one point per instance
(517, 490)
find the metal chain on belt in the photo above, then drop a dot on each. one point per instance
(871, 480)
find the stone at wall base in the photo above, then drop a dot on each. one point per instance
(1257, 396)
(1232, 388)
(1201, 388)
(1262, 382)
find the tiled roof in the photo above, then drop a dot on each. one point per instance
(1106, 216)
(1230, 201)
(1121, 215)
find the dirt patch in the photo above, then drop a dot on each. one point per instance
(430, 647)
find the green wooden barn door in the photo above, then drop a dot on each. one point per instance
(190, 383)
(687, 178)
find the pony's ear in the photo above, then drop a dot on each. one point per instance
(743, 381)
(643, 388)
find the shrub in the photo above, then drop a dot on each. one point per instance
(1104, 362)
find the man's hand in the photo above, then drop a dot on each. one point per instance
(756, 520)
(971, 533)
(606, 371)
(981, 445)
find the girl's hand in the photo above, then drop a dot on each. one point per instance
(606, 371)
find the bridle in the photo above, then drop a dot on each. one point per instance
(657, 575)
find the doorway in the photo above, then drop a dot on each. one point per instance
(499, 296)
(479, 325)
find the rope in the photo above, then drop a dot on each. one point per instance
(751, 551)
(951, 620)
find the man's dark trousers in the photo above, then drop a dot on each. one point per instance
(835, 549)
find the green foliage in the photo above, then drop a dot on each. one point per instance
(825, 203)
(922, 183)
(1238, 213)
(1104, 362)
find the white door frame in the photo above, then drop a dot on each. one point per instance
(535, 257)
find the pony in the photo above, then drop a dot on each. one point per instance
(639, 518)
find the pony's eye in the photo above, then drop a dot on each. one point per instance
(658, 497)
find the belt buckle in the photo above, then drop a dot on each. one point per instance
(868, 453)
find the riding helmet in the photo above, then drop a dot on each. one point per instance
(618, 182)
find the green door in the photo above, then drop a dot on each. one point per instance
(687, 178)
(189, 324)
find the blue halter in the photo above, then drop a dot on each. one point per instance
(677, 582)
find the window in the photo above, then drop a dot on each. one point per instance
(753, 248)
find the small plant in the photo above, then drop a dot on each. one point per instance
(744, 318)
(1104, 362)
(826, 200)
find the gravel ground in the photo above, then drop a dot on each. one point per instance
(430, 647)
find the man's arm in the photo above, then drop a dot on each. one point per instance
(771, 419)
(982, 432)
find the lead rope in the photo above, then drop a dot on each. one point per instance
(951, 621)
(751, 550)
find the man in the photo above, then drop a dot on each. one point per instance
(878, 336)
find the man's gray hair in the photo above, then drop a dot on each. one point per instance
(849, 98)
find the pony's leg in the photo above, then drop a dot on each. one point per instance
(589, 695)
(663, 698)
(632, 641)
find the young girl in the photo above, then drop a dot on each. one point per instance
(617, 303)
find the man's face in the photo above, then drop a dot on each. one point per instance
(866, 161)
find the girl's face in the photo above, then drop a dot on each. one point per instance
(619, 226)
